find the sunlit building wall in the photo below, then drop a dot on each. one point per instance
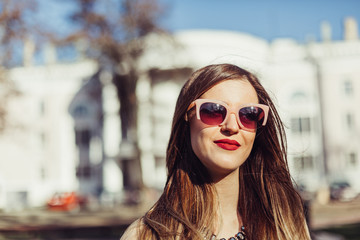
(38, 155)
(292, 81)
(339, 77)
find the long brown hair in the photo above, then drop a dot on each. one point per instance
(268, 203)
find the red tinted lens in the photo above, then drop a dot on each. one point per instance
(212, 113)
(251, 117)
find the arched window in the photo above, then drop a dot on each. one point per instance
(299, 97)
(81, 111)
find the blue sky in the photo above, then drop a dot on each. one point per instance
(269, 19)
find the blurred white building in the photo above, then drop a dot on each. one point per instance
(37, 151)
(315, 86)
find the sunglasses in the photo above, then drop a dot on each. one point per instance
(213, 112)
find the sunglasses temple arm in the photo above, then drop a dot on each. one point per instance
(190, 107)
(266, 114)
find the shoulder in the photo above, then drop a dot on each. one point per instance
(132, 232)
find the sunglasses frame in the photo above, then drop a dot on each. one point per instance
(229, 110)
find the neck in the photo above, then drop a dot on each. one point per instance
(227, 189)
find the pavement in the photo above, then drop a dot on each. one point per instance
(43, 219)
(334, 214)
(321, 216)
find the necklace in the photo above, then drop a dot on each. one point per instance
(239, 236)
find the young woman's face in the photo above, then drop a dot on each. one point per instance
(224, 148)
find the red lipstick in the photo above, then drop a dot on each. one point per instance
(227, 144)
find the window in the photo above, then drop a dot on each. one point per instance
(349, 121)
(159, 162)
(300, 125)
(351, 159)
(42, 108)
(42, 138)
(43, 173)
(304, 162)
(84, 172)
(82, 137)
(348, 88)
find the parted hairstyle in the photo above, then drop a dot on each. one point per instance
(269, 205)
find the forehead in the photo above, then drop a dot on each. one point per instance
(236, 91)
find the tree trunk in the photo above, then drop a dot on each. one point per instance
(129, 154)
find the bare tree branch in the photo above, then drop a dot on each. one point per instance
(13, 32)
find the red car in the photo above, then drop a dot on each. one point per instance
(68, 201)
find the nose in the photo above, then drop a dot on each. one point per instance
(231, 125)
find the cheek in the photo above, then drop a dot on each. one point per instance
(249, 139)
(198, 138)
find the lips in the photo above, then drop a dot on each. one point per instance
(227, 144)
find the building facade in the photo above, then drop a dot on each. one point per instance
(37, 152)
(68, 139)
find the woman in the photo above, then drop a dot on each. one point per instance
(227, 169)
